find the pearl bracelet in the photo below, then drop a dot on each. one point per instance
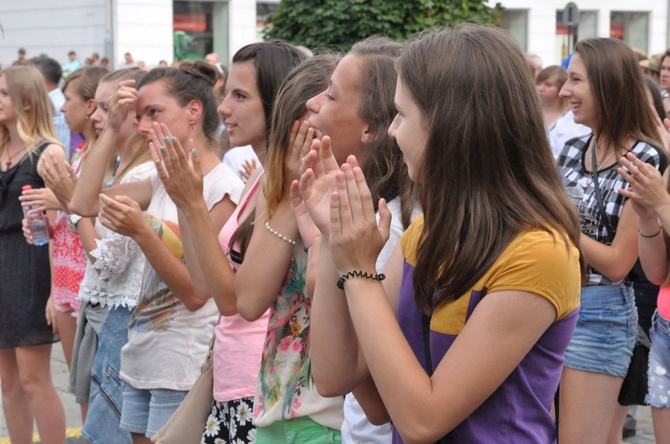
(279, 235)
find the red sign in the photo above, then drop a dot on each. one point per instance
(616, 30)
(190, 22)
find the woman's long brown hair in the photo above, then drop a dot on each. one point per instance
(487, 172)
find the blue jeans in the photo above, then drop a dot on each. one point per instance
(606, 329)
(145, 411)
(104, 411)
(659, 363)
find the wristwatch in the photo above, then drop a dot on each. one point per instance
(73, 221)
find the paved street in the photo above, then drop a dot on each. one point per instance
(645, 432)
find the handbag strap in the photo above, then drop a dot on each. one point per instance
(596, 185)
(209, 357)
(601, 207)
(557, 409)
(425, 326)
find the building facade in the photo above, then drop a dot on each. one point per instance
(538, 26)
(151, 30)
(154, 30)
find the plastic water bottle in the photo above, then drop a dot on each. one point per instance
(37, 224)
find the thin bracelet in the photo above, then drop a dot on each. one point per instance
(278, 234)
(356, 273)
(660, 228)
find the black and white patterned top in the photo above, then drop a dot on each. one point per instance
(579, 185)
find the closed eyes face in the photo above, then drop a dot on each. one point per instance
(100, 115)
(335, 112)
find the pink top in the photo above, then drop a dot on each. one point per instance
(68, 259)
(663, 302)
(239, 343)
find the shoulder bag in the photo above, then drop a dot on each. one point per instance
(187, 423)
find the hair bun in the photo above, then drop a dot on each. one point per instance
(201, 70)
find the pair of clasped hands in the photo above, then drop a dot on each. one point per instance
(330, 202)
(335, 204)
(647, 191)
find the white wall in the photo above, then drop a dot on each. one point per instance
(109, 27)
(242, 19)
(52, 27)
(143, 28)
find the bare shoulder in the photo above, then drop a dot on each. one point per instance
(54, 151)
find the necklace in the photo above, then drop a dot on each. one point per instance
(12, 156)
(594, 145)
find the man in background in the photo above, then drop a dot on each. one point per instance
(21, 60)
(212, 58)
(72, 65)
(52, 72)
(129, 61)
(535, 63)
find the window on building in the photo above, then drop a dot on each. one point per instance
(263, 10)
(515, 21)
(193, 30)
(631, 27)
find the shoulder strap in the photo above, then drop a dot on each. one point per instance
(601, 206)
(425, 326)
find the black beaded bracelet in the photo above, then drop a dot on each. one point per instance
(356, 273)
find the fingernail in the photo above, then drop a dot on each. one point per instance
(158, 162)
(167, 140)
(174, 140)
(163, 149)
(195, 153)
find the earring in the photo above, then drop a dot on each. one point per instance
(192, 124)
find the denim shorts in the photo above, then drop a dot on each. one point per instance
(606, 329)
(145, 411)
(303, 430)
(659, 363)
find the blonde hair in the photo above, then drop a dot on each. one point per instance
(33, 109)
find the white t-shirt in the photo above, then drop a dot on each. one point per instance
(565, 129)
(235, 158)
(119, 260)
(167, 343)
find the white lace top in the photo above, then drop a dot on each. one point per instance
(118, 259)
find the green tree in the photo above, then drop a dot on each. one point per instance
(341, 23)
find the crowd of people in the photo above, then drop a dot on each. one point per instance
(387, 245)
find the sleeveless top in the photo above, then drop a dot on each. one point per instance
(26, 281)
(68, 257)
(239, 343)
